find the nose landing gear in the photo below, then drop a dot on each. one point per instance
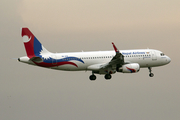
(150, 70)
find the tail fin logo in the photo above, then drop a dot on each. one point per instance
(26, 38)
(31, 43)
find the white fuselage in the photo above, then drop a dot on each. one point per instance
(144, 57)
(99, 62)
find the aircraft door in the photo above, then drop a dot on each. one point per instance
(54, 59)
(153, 54)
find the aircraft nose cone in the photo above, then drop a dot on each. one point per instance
(168, 59)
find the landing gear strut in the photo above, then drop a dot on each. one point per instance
(150, 70)
(92, 77)
(107, 76)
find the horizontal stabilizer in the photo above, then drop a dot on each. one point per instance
(36, 59)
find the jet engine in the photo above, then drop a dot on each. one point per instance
(129, 68)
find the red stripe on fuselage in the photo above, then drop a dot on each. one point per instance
(43, 64)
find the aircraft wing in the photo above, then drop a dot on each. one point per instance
(116, 61)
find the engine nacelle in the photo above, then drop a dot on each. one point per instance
(129, 68)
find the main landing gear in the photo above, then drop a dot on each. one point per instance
(93, 77)
(107, 76)
(150, 70)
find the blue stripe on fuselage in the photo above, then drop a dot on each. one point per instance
(67, 59)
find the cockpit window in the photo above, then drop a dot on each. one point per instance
(162, 54)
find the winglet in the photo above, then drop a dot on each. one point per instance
(115, 48)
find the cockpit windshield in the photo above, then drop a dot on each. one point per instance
(162, 54)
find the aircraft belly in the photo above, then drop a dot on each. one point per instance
(69, 68)
(142, 62)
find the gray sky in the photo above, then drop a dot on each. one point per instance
(32, 93)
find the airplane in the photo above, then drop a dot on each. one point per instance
(99, 62)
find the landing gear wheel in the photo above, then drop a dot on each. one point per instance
(150, 70)
(92, 77)
(107, 76)
(151, 75)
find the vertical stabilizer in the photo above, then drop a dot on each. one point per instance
(33, 47)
